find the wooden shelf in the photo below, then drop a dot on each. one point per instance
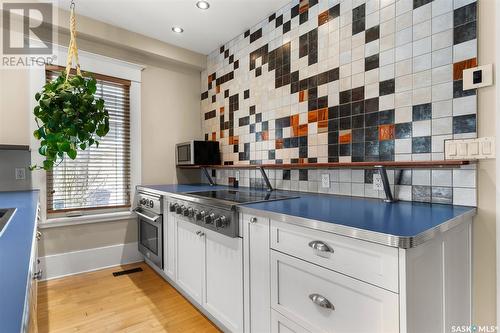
(362, 165)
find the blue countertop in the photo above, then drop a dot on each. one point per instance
(403, 219)
(15, 252)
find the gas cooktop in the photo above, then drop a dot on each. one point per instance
(241, 197)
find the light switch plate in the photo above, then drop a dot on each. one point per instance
(486, 77)
(325, 180)
(377, 182)
(470, 149)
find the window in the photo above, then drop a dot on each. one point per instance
(99, 177)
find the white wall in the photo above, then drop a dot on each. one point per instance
(170, 93)
(171, 104)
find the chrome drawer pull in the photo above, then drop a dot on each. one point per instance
(253, 220)
(321, 301)
(320, 246)
(38, 235)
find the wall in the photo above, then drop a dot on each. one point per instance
(484, 228)
(14, 103)
(283, 92)
(171, 115)
(340, 82)
(170, 91)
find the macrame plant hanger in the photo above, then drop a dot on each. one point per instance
(72, 48)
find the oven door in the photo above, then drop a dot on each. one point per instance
(150, 227)
(184, 153)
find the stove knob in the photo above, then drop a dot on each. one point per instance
(188, 212)
(209, 219)
(173, 207)
(151, 204)
(221, 222)
(179, 209)
(199, 215)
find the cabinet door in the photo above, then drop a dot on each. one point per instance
(257, 274)
(223, 289)
(189, 259)
(169, 231)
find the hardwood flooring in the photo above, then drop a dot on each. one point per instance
(99, 302)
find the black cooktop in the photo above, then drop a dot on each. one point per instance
(241, 196)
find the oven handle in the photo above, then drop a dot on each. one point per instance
(152, 219)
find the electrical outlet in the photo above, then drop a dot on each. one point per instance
(377, 182)
(237, 175)
(20, 173)
(325, 180)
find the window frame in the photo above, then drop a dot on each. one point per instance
(95, 63)
(98, 209)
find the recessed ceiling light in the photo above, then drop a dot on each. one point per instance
(202, 4)
(177, 30)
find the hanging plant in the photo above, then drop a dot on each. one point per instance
(68, 114)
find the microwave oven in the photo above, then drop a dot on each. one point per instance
(197, 152)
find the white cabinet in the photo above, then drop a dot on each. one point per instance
(322, 300)
(223, 275)
(189, 259)
(257, 273)
(169, 231)
(209, 268)
(369, 262)
(281, 324)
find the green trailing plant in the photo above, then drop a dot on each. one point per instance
(69, 117)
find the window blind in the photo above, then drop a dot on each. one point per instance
(99, 177)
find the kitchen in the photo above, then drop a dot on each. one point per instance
(295, 167)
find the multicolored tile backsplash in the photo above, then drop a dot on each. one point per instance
(344, 81)
(355, 80)
(444, 186)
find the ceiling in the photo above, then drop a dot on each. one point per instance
(204, 30)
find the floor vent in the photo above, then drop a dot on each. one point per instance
(128, 271)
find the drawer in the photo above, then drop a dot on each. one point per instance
(281, 324)
(374, 263)
(321, 300)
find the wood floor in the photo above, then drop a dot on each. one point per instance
(100, 302)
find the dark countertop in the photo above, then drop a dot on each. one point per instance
(403, 224)
(15, 252)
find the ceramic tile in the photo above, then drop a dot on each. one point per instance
(421, 193)
(464, 196)
(442, 39)
(464, 178)
(442, 178)
(464, 105)
(422, 62)
(442, 195)
(442, 126)
(421, 128)
(348, 80)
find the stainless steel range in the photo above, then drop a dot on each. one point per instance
(150, 226)
(218, 210)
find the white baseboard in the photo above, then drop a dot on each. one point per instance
(70, 263)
